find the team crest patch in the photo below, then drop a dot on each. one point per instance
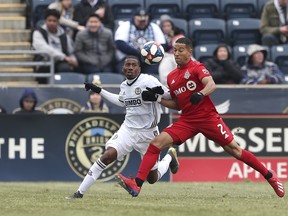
(187, 75)
(138, 91)
(86, 143)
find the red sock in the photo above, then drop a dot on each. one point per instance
(148, 162)
(250, 159)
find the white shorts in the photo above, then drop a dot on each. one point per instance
(126, 139)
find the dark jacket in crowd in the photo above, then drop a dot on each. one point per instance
(223, 71)
(28, 93)
(83, 10)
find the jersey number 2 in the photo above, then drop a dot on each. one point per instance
(223, 132)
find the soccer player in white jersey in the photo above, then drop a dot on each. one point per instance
(140, 124)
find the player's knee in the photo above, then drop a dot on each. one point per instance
(152, 180)
(109, 157)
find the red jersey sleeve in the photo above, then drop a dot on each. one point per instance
(201, 71)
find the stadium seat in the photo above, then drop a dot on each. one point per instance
(125, 8)
(207, 31)
(279, 55)
(203, 52)
(37, 10)
(179, 22)
(69, 78)
(201, 8)
(107, 78)
(239, 9)
(75, 2)
(243, 31)
(158, 8)
(240, 54)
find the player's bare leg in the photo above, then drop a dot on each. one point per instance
(109, 156)
(248, 158)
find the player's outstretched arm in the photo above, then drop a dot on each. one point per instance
(113, 98)
(169, 103)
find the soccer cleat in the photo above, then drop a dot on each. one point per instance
(174, 164)
(76, 195)
(129, 184)
(277, 185)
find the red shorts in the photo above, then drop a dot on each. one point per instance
(213, 128)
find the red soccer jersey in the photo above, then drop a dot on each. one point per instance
(183, 82)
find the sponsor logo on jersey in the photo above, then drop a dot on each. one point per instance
(86, 143)
(132, 102)
(60, 106)
(190, 85)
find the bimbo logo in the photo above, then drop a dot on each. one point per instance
(132, 102)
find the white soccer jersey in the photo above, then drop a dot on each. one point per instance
(139, 113)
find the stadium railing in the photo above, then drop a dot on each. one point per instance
(30, 63)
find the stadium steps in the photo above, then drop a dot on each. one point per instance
(9, 22)
(15, 35)
(10, 1)
(17, 58)
(15, 45)
(12, 9)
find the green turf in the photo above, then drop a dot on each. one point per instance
(177, 199)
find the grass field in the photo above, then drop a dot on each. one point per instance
(179, 199)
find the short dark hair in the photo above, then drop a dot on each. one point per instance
(134, 57)
(93, 15)
(186, 41)
(52, 12)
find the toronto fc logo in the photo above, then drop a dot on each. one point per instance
(86, 143)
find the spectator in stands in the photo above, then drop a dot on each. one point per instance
(66, 9)
(52, 38)
(95, 103)
(2, 110)
(274, 23)
(28, 102)
(94, 47)
(100, 7)
(259, 71)
(222, 68)
(171, 33)
(131, 35)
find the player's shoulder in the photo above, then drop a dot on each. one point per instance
(147, 77)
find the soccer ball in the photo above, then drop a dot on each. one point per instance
(152, 52)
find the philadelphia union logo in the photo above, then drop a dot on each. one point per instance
(86, 143)
(60, 106)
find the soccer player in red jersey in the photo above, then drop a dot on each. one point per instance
(190, 85)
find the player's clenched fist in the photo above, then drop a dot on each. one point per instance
(92, 87)
(156, 90)
(152, 94)
(196, 97)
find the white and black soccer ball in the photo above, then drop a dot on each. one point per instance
(152, 52)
